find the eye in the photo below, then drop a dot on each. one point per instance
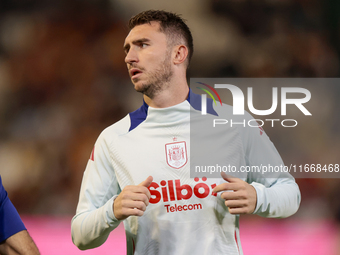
(143, 45)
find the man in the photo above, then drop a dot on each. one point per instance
(14, 238)
(131, 176)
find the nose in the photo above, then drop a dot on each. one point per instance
(131, 57)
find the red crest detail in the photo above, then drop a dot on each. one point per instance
(176, 154)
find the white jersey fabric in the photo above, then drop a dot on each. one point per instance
(184, 216)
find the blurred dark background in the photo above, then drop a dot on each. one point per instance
(63, 80)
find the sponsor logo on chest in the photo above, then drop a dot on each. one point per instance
(173, 190)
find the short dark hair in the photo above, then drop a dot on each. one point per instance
(171, 24)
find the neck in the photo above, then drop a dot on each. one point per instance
(175, 93)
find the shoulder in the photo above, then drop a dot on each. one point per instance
(121, 127)
(248, 127)
(125, 125)
(128, 123)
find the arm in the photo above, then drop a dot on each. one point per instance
(94, 219)
(102, 205)
(133, 200)
(275, 195)
(278, 195)
(19, 243)
(14, 238)
(278, 198)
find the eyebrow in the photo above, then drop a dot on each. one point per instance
(142, 40)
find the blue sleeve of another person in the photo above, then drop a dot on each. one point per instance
(10, 221)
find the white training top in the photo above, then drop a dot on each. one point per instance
(184, 216)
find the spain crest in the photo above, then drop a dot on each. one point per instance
(176, 154)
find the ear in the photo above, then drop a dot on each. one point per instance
(181, 54)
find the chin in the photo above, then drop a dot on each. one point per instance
(139, 87)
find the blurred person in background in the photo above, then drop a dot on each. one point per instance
(158, 51)
(14, 238)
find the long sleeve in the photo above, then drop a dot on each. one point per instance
(277, 199)
(94, 219)
(278, 195)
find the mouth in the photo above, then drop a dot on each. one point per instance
(135, 73)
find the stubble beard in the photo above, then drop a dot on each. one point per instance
(159, 79)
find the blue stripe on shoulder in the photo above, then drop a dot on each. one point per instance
(138, 116)
(195, 101)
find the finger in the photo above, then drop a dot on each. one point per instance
(136, 189)
(146, 183)
(142, 190)
(229, 178)
(142, 197)
(133, 212)
(236, 203)
(145, 191)
(134, 204)
(137, 195)
(239, 210)
(226, 186)
(238, 195)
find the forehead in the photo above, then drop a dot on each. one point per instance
(150, 31)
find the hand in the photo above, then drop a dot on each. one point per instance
(242, 198)
(133, 200)
(19, 243)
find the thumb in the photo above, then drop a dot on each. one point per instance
(146, 183)
(228, 178)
